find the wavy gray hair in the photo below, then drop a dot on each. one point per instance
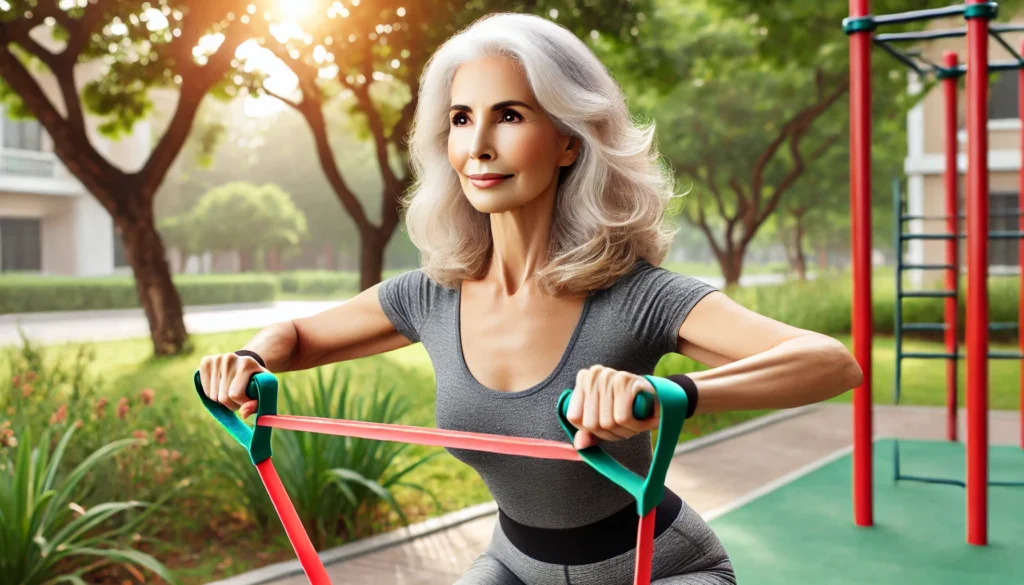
(610, 203)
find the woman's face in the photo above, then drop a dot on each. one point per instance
(506, 151)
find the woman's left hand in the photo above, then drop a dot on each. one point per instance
(601, 406)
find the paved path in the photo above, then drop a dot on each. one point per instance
(712, 476)
(131, 323)
(79, 326)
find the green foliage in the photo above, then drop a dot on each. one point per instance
(242, 216)
(318, 281)
(810, 33)
(22, 294)
(331, 480)
(47, 535)
(824, 304)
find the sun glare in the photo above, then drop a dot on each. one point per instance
(293, 10)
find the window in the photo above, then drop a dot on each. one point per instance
(20, 245)
(1002, 96)
(1001, 207)
(23, 134)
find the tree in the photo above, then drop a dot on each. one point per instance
(367, 59)
(122, 51)
(804, 35)
(248, 218)
(739, 128)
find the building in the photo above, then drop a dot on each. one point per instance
(49, 223)
(925, 162)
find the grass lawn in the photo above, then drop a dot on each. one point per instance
(202, 545)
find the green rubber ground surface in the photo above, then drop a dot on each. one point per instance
(803, 532)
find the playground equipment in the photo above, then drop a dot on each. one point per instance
(950, 294)
(648, 491)
(860, 27)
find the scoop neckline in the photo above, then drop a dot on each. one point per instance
(539, 385)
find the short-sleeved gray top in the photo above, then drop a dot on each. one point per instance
(627, 326)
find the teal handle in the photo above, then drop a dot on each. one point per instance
(649, 490)
(256, 439)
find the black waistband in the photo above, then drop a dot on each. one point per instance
(590, 543)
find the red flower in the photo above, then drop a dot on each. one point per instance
(122, 408)
(147, 396)
(60, 415)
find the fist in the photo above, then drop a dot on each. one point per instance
(225, 378)
(601, 406)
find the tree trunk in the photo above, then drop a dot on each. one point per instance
(731, 262)
(798, 249)
(153, 283)
(371, 265)
(786, 235)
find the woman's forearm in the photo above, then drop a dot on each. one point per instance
(277, 345)
(799, 371)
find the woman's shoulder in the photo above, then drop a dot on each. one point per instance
(646, 282)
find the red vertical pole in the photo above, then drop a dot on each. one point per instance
(951, 178)
(977, 276)
(860, 252)
(1020, 244)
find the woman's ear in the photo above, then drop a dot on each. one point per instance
(572, 151)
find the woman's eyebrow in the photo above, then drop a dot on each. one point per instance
(494, 108)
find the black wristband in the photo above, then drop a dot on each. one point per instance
(688, 386)
(253, 355)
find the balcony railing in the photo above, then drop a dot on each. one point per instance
(31, 163)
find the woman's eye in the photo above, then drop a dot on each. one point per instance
(514, 114)
(456, 118)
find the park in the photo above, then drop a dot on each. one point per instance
(178, 175)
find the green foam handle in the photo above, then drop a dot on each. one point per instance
(649, 490)
(256, 439)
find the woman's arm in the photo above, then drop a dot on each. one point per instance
(758, 362)
(354, 329)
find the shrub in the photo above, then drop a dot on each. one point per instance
(331, 480)
(23, 294)
(48, 531)
(824, 305)
(318, 281)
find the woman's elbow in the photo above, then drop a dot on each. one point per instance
(849, 370)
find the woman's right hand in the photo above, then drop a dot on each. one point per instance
(225, 377)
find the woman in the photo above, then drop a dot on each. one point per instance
(538, 209)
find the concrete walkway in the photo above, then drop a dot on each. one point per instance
(713, 475)
(84, 326)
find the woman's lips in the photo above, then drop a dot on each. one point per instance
(489, 181)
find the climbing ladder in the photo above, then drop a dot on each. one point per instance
(949, 327)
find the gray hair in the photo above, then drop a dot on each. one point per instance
(610, 203)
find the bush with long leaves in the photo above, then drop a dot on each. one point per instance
(46, 535)
(330, 479)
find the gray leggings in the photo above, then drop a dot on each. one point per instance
(688, 553)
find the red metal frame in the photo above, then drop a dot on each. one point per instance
(977, 280)
(541, 448)
(860, 239)
(951, 180)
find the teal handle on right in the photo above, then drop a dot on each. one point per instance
(649, 490)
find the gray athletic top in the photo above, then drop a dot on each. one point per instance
(628, 326)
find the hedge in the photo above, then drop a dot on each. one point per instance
(25, 294)
(825, 305)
